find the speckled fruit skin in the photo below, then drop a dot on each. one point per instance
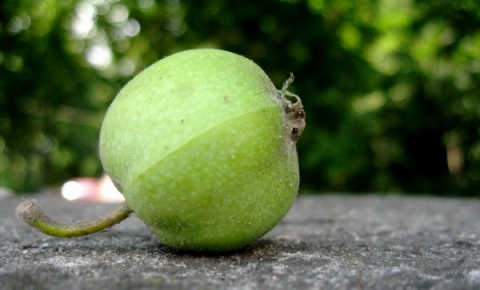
(199, 146)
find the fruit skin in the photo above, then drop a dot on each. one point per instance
(201, 147)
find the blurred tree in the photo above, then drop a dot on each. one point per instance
(47, 112)
(390, 87)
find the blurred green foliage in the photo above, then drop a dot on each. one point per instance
(391, 88)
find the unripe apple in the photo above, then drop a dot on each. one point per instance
(202, 146)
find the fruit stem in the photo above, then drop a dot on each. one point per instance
(32, 214)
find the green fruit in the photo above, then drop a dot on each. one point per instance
(202, 146)
(202, 149)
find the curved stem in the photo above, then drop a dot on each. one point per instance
(32, 214)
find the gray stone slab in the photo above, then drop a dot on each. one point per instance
(325, 242)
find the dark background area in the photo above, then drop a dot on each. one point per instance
(391, 88)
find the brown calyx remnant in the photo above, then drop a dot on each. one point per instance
(296, 118)
(294, 113)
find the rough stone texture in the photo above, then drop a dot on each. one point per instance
(325, 242)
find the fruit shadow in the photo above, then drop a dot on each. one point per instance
(263, 248)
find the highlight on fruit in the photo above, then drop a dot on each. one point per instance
(203, 148)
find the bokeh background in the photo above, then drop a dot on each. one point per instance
(391, 88)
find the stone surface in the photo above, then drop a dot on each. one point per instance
(325, 242)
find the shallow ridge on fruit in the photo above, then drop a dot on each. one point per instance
(188, 141)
